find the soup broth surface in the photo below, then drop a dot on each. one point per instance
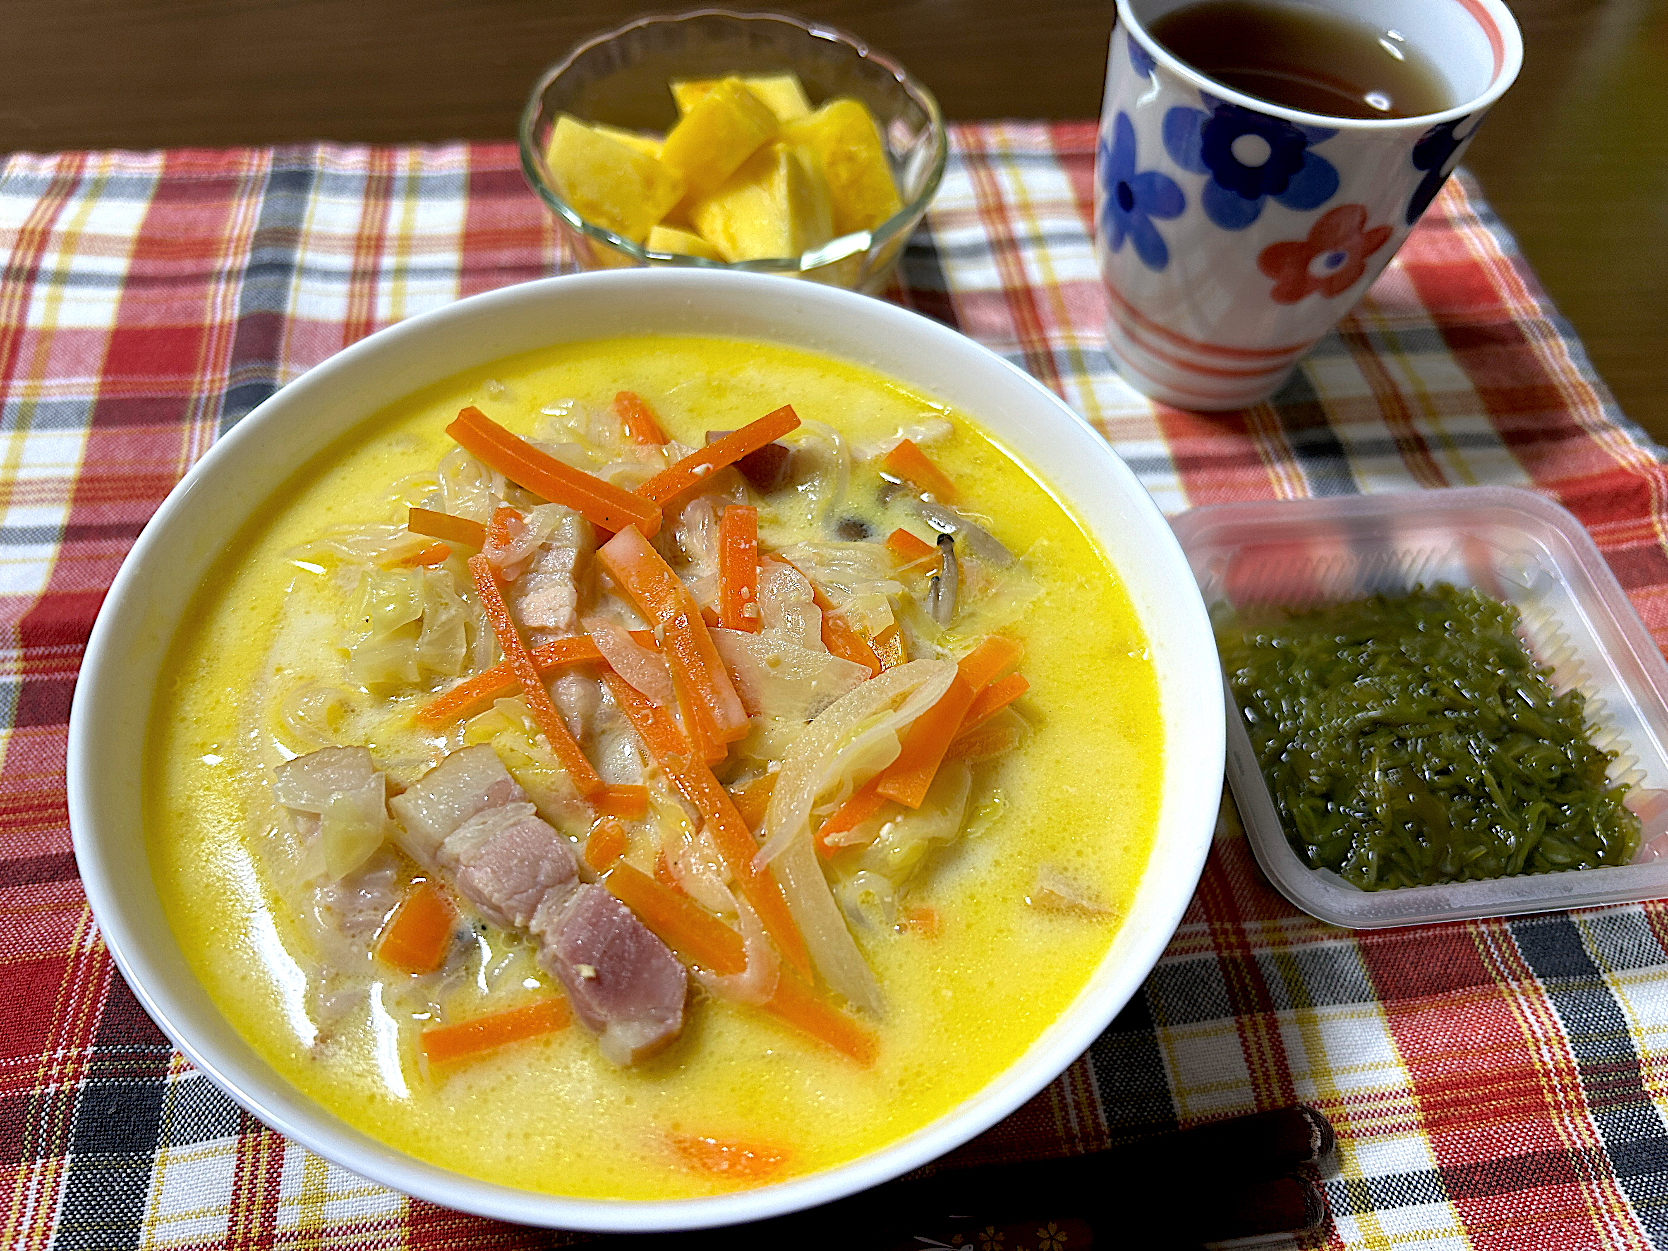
(551, 1114)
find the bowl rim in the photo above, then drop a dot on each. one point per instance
(858, 242)
(241, 1073)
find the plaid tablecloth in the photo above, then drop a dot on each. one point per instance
(1495, 1084)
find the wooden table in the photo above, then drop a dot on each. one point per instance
(1575, 158)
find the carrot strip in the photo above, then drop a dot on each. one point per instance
(664, 600)
(992, 700)
(697, 723)
(606, 844)
(446, 526)
(579, 770)
(473, 694)
(911, 464)
(695, 467)
(417, 938)
(795, 1003)
(754, 799)
(987, 740)
(630, 802)
(738, 568)
(663, 874)
(703, 939)
(922, 920)
(467, 1038)
(599, 502)
(906, 549)
(907, 778)
(725, 1157)
(503, 527)
(638, 419)
(433, 554)
(679, 922)
(846, 643)
(864, 802)
(981, 665)
(731, 837)
(888, 647)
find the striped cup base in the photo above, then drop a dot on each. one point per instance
(1198, 377)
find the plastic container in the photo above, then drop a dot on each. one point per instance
(1508, 543)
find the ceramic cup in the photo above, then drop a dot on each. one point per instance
(1232, 233)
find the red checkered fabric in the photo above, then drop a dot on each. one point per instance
(1495, 1084)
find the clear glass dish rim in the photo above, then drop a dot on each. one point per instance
(832, 252)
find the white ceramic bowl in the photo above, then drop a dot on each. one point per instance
(150, 594)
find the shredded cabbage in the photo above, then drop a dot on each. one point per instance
(858, 579)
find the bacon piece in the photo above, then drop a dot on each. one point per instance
(623, 982)
(466, 782)
(468, 819)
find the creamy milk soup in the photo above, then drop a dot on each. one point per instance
(299, 803)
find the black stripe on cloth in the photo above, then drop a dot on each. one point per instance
(1352, 1196)
(118, 1119)
(85, 532)
(195, 1110)
(263, 300)
(924, 285)
(1313, 441)
(1129, 1075)
(1629, 1124)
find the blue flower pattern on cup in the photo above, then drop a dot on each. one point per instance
(1433, 152)
(1140, 60)
(1250, 157)
(1132, 199)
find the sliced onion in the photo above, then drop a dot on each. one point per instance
(823, 925)
(756, 983)
(536, 526)
(697, 867)
(787, 605)
(638, 665)
(829, 488)
(858, 577)
(820, 759)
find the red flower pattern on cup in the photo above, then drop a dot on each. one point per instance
(1331, 260)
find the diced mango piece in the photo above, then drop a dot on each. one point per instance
(846, 140)
(781, 92)
(636, 140)
(724, 128)
(671, 239)
(775, 205)
(608, 183)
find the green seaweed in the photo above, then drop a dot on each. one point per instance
(1411, 739)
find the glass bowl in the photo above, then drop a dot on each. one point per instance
(620, 79)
